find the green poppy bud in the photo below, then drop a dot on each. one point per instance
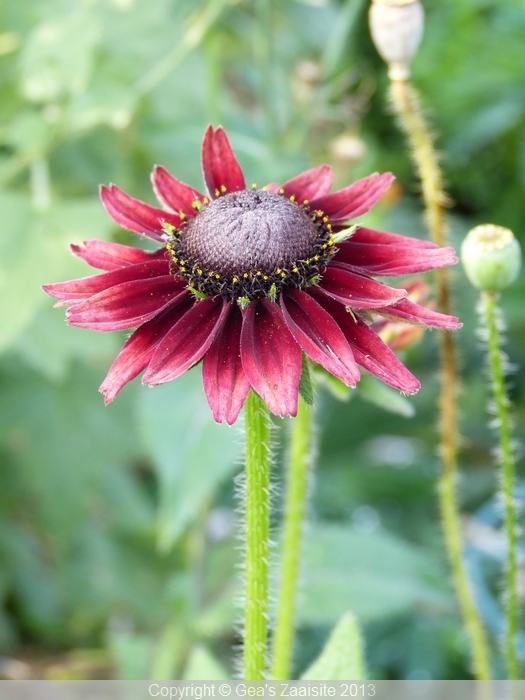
(491, 257)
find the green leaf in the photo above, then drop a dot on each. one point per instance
(306, 388)
(34, 250)
(376, 575)
(387, 398)
(342, 656)
(203, 666)
(192, 453)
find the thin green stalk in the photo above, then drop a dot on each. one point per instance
(296, 494)
(191, 39)
(506, 455)
(257, 425)
(405, 102)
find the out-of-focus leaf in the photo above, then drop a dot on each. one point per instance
(192, 453)
(375, 575)
(203, 666)
(342, 657)
(57, 58)
(131, 654)
(168, 652)
(387, 398)
(34, 249)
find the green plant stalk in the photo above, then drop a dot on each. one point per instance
(489, 313)
(406, 105)
(294, 515)
(257, 519)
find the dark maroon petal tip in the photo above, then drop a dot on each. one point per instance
(411, 312)
(357, 290)
(319, 335)
(140, 346)
(222, 172)
(392, 260)
(225, 382)
(135, 215)
(75, 291)
(187, 342)
(112, 256)
(369, 350)
(271, 358)
(310, 184)
(173, 193)
(125, 305)
(356, 199)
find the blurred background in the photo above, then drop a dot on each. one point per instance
(117, 525)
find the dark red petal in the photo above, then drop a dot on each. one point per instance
(172, 193)
(392, 260)
(270, 356)
(136, 215)
(319, 335)
(370, 235)
(310, 184)
(187, 341)
(112, 256)
(220, 166)
(406, 310)
(354, 200)
(369, 350)
(125, 305)
(76, 291)
(225, 382)
(356, 290)
(140, 346)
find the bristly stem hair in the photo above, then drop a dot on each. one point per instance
(405, 103)
(257, 519)
(489, 316)
(301, 453)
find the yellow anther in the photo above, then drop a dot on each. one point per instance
(324, 246)
(210, 274)
(264, 188)
(281, 190)
(306, 201)
(265, 277)
(199, 271)
(316, 258)
(246, 275)
(217, 276)
(254, 185)
(205, 200)
(325, 219)
(223, 189)
(217, 193)
(295, 269)
(292, 198)
(235, 280)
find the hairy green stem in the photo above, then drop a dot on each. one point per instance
(405, 102)
(489, 312)
(294, 514)
(257, 425)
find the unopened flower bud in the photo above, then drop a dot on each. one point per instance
(397, 28)
(491, 257)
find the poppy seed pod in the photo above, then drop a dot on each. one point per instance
(397, 28)
(491, 257)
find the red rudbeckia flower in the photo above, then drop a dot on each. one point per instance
(248, 279)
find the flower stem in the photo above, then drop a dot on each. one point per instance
(257, 422)
(489, 311)
(405, 102)
(296, 495)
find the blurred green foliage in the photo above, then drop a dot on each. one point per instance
(117, 543)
